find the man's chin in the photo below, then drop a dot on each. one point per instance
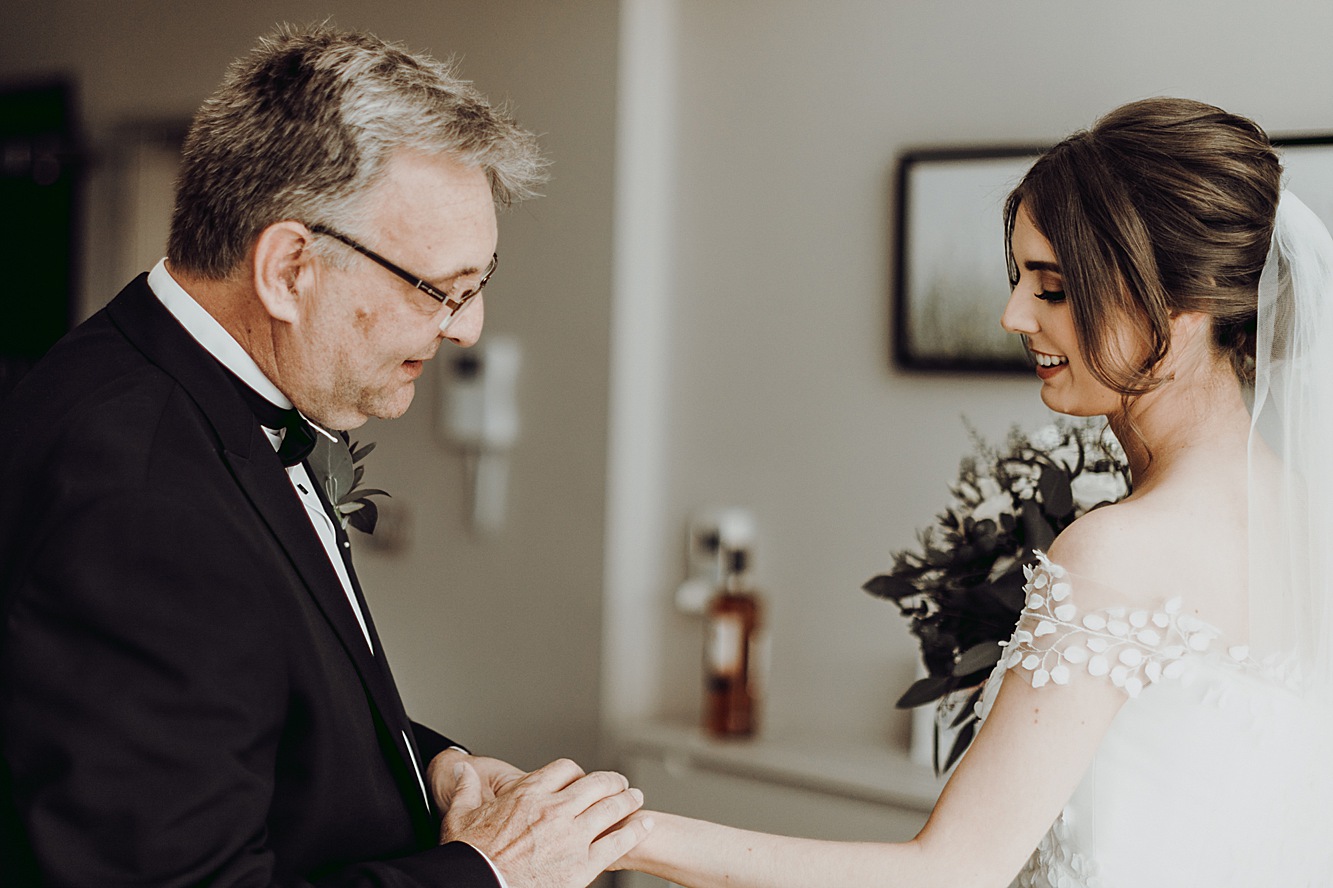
(389, 405)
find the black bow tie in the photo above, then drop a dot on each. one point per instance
(298, 439)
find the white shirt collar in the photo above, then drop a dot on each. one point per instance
(210, 334)
(215, 339)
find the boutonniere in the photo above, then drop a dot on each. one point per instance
(337, 463)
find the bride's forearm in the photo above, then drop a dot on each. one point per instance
(698, 854)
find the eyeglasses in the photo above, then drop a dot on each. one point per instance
(453, 303)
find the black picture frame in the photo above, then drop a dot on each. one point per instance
(950, 281)
(1307, 162)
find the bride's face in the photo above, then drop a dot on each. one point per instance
(1038, 310)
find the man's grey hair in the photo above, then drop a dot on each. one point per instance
(302, 127)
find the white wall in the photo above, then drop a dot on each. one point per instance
(781, 396)
(495, 641)
(767, 244)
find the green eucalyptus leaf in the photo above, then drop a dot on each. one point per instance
(1039, 533)
(1056, 494)
(960, 743)
(980, 656)
(889, 586)
(331, 463)
(968, 709)
(926, 690)
(365, 518)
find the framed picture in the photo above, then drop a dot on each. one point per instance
(951, 283)
(1307, 163)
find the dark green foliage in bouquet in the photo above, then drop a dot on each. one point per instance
(961, 589)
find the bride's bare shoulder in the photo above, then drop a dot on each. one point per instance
(1125, 546)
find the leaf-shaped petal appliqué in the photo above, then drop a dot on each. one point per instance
(1095, 622)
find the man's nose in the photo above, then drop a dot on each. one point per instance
(463, 327)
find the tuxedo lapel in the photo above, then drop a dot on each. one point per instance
(267, 487)
(259, 474)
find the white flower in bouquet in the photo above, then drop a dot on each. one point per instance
(965, 497)
(1046, 438)
(1094, 488)
(988, 488)
(1067, 455)
(992, 507)
(1112, 445)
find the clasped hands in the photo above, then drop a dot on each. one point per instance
(553, 827)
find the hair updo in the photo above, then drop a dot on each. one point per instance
(1164, 206)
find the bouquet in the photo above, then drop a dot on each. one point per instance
(961, 589)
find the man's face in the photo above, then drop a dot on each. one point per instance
(364, 333)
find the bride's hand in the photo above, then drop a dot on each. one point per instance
(634, 855)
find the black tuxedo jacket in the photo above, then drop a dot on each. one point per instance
(185, 695)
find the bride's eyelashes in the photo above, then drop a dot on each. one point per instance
(1050, 295)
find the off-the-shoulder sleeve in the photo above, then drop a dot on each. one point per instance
(1057, 639)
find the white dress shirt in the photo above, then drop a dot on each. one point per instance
(214, 339)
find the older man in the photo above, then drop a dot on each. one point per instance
(192, 690)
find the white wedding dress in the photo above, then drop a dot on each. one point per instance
(1195, 781)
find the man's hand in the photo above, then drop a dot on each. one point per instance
(495, 775)
(554, 828)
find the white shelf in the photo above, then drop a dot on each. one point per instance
(856, 771)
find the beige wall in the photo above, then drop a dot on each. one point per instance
(780, 397)
(746, 271)
(495, 641)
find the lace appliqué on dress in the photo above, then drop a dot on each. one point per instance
(1055, 864)
(1057, 642)
(1133, 647)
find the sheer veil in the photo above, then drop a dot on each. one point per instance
(1291, 454)
(1291, 526)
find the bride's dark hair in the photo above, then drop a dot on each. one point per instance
(1164, 206)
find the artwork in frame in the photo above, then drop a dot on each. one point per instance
(1307, 165)
(951, 283)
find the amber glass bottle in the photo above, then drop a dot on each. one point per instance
(732, 652)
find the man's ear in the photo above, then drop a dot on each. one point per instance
(283, 263)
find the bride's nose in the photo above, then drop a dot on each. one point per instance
(1019, 315)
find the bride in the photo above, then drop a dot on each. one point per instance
(1160, 714)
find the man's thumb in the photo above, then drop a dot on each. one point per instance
(466, 794)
